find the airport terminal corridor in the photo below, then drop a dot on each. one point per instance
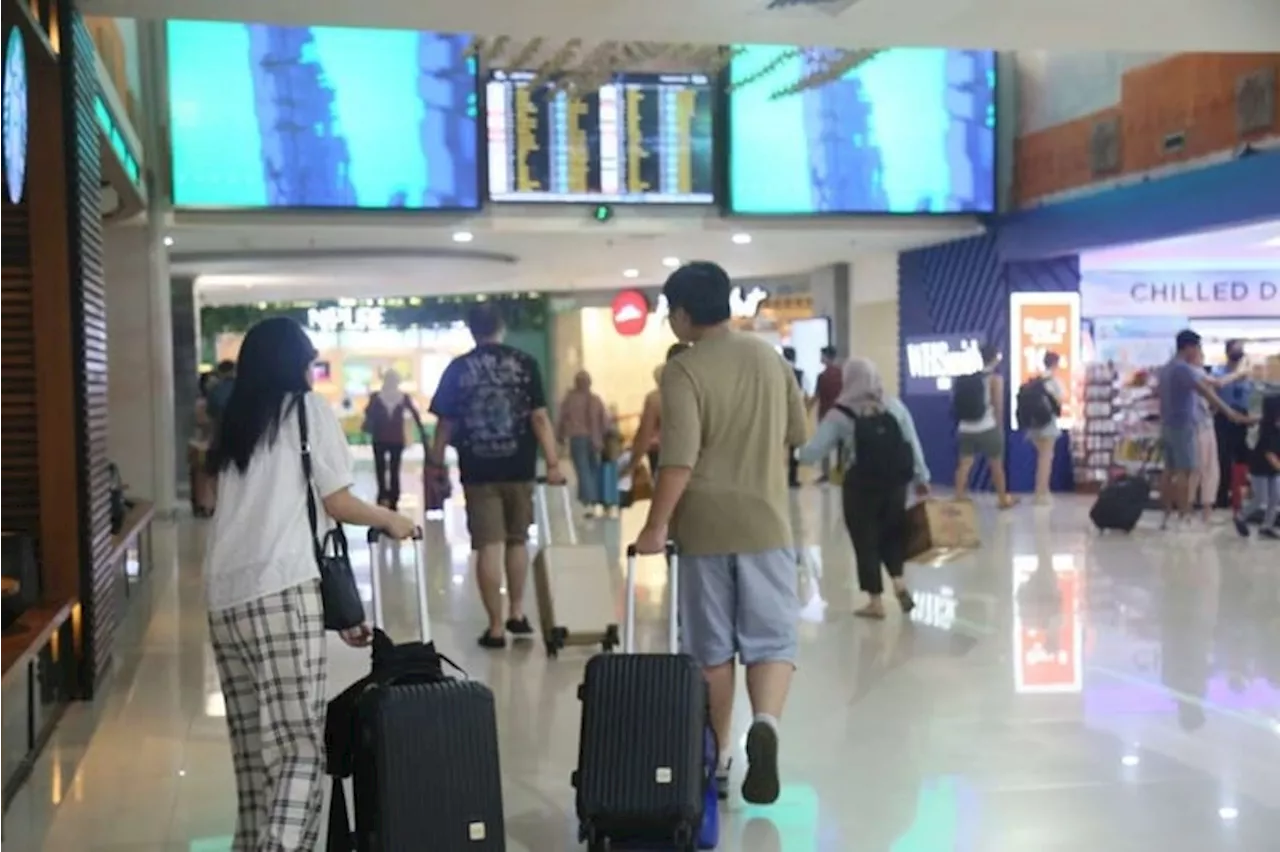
(1054, 690)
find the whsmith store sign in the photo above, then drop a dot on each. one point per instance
(1181, 294)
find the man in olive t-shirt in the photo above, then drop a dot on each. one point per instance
(731, 408)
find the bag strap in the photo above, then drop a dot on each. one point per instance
(846, 411)
(313, 513)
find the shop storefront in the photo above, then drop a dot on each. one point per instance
(1130, 321)
(1021, 285)
(620, 338)
(359, 340)
(67, 568)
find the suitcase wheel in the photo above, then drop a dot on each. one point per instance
(611, 639)
(594, 840)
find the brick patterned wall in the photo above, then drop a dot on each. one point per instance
(1191, 93)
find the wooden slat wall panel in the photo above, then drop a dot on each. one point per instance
(20, 506)
(101, 591)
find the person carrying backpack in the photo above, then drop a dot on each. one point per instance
(977, 402)
(883, 460)
(1039, 407)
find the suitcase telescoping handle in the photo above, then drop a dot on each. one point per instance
(673, 593)
(541, 502)
(419, 578)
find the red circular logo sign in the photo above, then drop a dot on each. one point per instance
(630, 312)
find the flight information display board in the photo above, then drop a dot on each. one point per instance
(641, 139)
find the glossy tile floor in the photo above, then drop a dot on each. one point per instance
(1055, 690)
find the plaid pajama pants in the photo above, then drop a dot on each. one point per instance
(271, 662)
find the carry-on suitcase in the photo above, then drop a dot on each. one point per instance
(422, 747)
(646, 756)
(574, 583)
(1120, 503)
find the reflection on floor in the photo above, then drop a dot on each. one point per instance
(1056, 690)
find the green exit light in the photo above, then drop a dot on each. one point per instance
(602, 213)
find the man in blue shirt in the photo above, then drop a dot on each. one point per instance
(1233, 441)
(1179, 383)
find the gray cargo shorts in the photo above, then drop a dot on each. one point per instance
(989, 444)
(744, 604)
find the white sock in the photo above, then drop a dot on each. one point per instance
(771, 721)
(726, 758)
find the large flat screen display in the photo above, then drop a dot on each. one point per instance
(321, 117)
(642, 138)
(912, 130)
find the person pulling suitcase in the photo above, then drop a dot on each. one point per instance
(434, 737)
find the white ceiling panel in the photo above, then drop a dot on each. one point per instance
(1157, 25)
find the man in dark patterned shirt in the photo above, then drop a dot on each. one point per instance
(491, 406)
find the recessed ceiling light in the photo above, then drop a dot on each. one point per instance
(463, 236)
(671, 262)
(631, 273)
(168, 241)
(1274, 242)
(1227, 813)
(741, 239)
(1130, 760)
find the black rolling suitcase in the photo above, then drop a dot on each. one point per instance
(421, 747)
(646, 760)
(1121, 503)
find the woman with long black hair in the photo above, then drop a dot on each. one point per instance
(266, 620)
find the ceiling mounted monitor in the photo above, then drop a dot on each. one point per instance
(266, 116)
(639, 139)
(910, 130)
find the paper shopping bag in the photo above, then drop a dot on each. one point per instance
(938, 530)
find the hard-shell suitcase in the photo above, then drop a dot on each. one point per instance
(1121, 503)
(425, 769)
(577, 602)
(646, 756)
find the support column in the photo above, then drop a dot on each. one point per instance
(829, 287)
(185, 360)
(152, 65)
(140, 398)
(873, 315)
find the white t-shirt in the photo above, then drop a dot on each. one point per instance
(260, 540)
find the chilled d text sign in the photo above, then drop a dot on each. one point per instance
(1189, 294)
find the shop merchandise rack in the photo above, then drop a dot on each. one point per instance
(1137, 422)
(1093, 447)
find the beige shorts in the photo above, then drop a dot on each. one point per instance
(499, 512)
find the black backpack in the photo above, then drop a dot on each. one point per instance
(882, 455)
(969, 398)
(1036, 406)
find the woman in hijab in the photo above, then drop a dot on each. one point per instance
(583, 423)
(384, 423)
(883, 458)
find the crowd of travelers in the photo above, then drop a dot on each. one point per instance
(721, 494)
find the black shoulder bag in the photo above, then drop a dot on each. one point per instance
(343, 608)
